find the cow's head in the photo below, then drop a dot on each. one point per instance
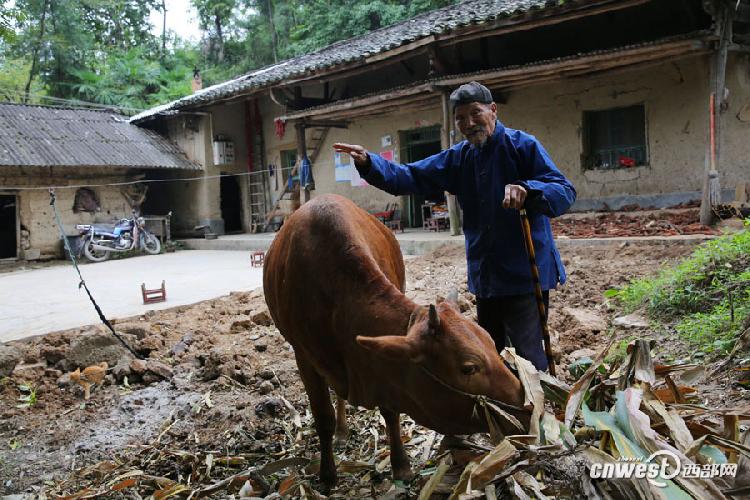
(452, 348)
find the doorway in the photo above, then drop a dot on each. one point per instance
(231, 204)
(8, 227)
(418, 144)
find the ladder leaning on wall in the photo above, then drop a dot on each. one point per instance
(314, 145)
(257, 188)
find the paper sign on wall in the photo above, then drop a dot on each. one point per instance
(342, 167)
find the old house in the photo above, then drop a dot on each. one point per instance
(636, 101)
(91, 156)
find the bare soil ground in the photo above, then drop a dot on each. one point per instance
(225, 394)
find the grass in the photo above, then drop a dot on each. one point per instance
(705, 298)
(28, 396)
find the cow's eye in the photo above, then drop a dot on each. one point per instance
(469, 368)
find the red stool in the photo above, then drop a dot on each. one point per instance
(257, 258)
(154, 295)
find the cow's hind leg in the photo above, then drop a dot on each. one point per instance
(399, 459)
(325, 420)
(342, 432)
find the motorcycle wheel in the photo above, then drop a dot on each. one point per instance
(93, 254)
(151, 244)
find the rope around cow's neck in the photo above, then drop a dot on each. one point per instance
(483, 400)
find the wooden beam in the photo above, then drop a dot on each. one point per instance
(386, 108)
(360, 102)
(408, 47)
(445, 140)
(326, 124)
(299, 127)
(723, 22)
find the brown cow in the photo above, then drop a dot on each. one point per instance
(334, 283)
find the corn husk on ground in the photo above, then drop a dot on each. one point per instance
(611, 415)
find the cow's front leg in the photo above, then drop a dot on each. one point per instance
(325, 420)
(399, 460)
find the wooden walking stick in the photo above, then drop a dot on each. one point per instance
(526, 227)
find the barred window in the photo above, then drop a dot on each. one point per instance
(615, 138)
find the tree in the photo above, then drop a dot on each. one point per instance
(214, 16)
(37, 45)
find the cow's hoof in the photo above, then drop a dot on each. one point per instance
(340, 439)
(327, 482)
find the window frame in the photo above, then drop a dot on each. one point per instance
(587, 153)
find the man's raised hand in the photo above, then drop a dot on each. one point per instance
(361, 159)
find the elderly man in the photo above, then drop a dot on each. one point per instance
(493, 173)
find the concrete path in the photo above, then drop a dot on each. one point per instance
(40, 301)
(420, 242)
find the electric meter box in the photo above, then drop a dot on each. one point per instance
(223, 151)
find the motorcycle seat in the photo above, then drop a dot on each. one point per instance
(103, 228)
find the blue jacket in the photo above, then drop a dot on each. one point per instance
(495, 253)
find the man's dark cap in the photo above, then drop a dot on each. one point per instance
(470, 92)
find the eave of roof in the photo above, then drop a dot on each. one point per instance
(376, 45)
(538, 72)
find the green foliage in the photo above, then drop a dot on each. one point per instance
(27, 397)
(326, 21)
(8, 18)
(103, 51)
(706, 296)
(13, 80)
(132, 80)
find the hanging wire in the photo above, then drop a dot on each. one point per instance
(129, 183)
(82, 283)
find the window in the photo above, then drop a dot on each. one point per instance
(615, 138)
(86, 201)
(288, 159)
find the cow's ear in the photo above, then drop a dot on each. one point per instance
(433, 321)
(394, 347)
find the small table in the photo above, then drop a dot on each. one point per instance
(163, 223)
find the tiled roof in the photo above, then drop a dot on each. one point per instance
(437, 22)
(46, 136)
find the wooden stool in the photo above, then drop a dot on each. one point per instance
(155, 295)
(257, 258)
(394, 225)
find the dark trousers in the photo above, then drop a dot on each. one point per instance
(515, 318)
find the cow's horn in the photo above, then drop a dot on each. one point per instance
(453, 296)
(434, 319)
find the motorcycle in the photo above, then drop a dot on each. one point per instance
(98, 241)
